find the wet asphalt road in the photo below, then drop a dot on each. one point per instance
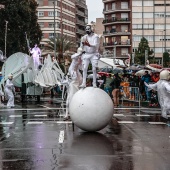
(34, 137)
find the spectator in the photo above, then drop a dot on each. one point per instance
(147, 78)
(115, 87)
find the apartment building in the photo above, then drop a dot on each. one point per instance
(70, 18)
(117, 23)
(151, 19)
(126, 22)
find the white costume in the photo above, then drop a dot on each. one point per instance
(163, 89)
(75, 64)
(90, 45)
(36, 53)
(9, 92)
(75, 79)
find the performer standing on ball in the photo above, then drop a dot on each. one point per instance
(90, 45)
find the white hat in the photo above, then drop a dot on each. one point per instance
(10, 75)
(164, 75)
(79, 50)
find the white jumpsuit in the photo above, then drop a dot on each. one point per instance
(9, 93)
(91, 55)
(163, 89)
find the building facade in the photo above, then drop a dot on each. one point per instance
(117, 22)
(70, 18)
(126, 22)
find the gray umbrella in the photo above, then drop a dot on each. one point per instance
(134, 68)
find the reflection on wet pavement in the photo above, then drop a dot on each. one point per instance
(135, 139)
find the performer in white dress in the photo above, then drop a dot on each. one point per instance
(10, 91)
(163, 89)
(75, 78)
(90, 45)
(36, 54)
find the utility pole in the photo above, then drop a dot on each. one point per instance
(54, 29)
(6, 26)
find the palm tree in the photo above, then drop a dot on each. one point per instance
(63, 44)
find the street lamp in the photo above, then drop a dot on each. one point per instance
(6, 25)
(54, 30)
(163, 39)
(133, 58)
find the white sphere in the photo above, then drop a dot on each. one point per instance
(91, 109)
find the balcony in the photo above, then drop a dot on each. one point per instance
(80, 22)
(116, 20)
(113, 32)
(104, 1)
(78, 12)
(115, 10)
(117, 44)
(80, 4)
(79, 31)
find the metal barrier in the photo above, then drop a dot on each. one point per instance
(130, 94)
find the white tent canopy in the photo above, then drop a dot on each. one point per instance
(108, 62)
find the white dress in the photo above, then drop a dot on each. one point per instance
(9, 93)
(163, 89)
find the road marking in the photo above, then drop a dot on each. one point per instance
(29, 123)
(157, 123)
(126, 122)
(61, 137)
(117, 115)
(15, 116)
(139, 115)
(40, 115)
(6, 123)
(64, 121)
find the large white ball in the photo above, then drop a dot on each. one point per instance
(91, 109)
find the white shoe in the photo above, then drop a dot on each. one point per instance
(94, 85)
(82, 86)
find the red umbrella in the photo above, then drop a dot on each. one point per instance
(156, 66)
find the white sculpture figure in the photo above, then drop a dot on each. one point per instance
(75, 78)
(76, 62)
(9, 91)
(36, 53)
(163, 89)
(90, 45)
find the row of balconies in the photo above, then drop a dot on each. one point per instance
(80, 4)
(79, 31)
(115, 10)
(121, 43)
(80, 13)
(113, 32)
(115, 19)
(80, 22)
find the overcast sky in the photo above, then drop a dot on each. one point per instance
(95, 9)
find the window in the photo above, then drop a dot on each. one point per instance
(51, 35)
(147, 3)
(137, 26)
(148, 15)
(137, 15)
(124, 51)
(124, 5)
(136, 3)
(124, 15)
(113, 6)
(51, 25)
(159, 26)
(41, 24)
(124, 28)
(50, 13)
(40, 13)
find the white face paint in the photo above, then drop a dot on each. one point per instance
(88, 30)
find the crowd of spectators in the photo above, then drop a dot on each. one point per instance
(113, 85)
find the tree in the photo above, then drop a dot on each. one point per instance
(22, 18)
(140, 51)
(63, 44)
(166, 59)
